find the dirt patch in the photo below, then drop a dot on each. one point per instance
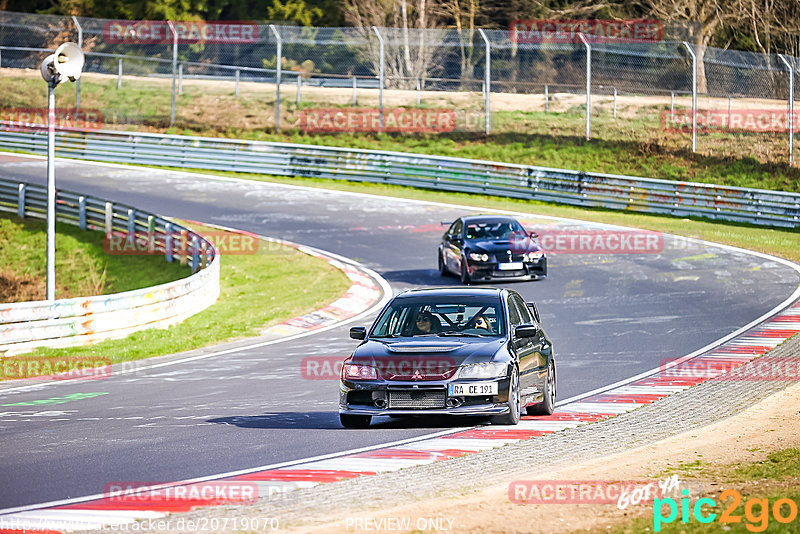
(20, 288)
(770, 425)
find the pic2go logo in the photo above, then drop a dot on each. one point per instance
(756, 511)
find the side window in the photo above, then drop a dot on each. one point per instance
(524, 312)
(513, 313)
(455, 230)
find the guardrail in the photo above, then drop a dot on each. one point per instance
(587, 189)
(83, 320)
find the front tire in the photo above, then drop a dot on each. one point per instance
(548, 404)
(513, 415)
(354, 421)
(442, 265)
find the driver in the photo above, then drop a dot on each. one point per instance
(426, 324)
(482, 323)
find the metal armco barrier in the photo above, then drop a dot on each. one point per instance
(82, 320)
(684, 199)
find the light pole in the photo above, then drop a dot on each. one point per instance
(67, 62)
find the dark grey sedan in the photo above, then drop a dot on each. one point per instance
(450, 351)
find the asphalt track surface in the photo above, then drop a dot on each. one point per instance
(610, 316)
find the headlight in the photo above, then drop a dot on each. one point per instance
(533, 256)
(352, 371)
(482, 370)
(478, 256)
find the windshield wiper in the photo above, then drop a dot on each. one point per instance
(465, 334)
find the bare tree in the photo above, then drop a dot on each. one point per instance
(463, 14)
(405, 22)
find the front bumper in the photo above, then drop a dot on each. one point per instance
(490, 271)
(378, 398)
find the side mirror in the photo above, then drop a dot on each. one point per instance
(358, 332)
(533, 235)
(526, 330)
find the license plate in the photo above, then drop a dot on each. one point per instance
(472, 389)
(516, 266)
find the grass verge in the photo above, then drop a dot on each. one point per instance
(747, 498)
(257, 290)
(82, 266)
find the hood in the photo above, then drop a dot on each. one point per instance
(427, 358)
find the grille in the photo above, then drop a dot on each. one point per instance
(417, 398)
(503, 257)
(508, 274)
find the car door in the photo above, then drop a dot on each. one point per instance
(453, 243)
(527, 348)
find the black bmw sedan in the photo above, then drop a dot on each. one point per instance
(450, 351)
(491, 247)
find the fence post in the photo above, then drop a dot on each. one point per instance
(355, 86)
(236, 89)
(615, 102)
(82, 212)
(588, 85)
(672, 106)
(180, 79)
(381, 73)
(487, 104)
(546, 98)
(80, 45)
(119, 74)
(279, 56)
(131, 225)
(729, 111)
(694, 95)
(299, 86)
(419, 92)
(21, 201)
(174, 68)
(790, 119)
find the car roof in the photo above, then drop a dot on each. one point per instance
(487, 218)
(452, 292)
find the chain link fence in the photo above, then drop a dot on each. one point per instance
(218, 75)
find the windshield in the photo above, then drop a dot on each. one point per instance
(412, 317)
(494, 230)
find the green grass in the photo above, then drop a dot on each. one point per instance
(83, 267)
(257, 290)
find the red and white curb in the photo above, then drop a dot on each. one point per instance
(275, 481)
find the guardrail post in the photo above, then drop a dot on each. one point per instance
(82, 212)
(182, 247)
(279, 55)
(151, 233)
(203, 255)
(299, 85)
(168, 242)
(790, 119)
(195, 254)
(180, 79)
(588, 85)
(119, 74)
(381, 71)
(487, 104)
(109, 217)
(174, 68)
(80, 45)
(355, 86)
(694, 95)
(236, 87)
(21, 201)
(131, 225)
